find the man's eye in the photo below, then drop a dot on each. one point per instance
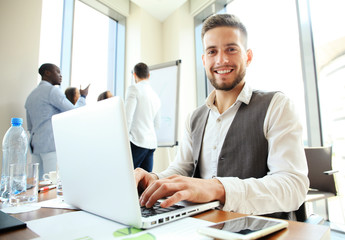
(211, 52)
(231, 49)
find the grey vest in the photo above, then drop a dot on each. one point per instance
(245, 148)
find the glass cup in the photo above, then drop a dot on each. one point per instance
(23, 184)
(59, 192)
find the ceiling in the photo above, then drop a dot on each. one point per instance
(160, 9)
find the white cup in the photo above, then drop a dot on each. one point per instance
(51, 176)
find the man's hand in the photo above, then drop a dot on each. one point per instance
(143, 179)
(84, 91)
(182, 188)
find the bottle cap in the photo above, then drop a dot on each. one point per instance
(17, 121)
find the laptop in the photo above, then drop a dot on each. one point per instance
(96, 167)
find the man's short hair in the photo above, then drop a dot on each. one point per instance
(45, 67)
(141, 70)
(224, 20)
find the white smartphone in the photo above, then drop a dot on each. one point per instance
(248, 227)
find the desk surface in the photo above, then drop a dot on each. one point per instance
(296, 230)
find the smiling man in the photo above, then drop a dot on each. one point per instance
(43, 102)
(243, 147)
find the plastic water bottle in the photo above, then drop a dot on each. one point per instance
(14, 147)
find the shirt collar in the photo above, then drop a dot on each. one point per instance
(244, 96)
(143, 82)
(45, 82)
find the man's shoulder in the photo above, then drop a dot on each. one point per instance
(133, 88)
(41, 91)
(199, 111)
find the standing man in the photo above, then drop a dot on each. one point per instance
(243, 147)
(143, 117)
(43, 102)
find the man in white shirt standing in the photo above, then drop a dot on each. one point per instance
(243, 147)
(143, 117)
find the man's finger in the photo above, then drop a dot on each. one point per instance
(175, 198)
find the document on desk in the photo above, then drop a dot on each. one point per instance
(86, 226)
(55, 203)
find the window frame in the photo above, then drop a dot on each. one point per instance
(117, 86)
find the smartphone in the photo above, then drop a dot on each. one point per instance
(248, 227)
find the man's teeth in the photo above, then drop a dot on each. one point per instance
(223, 71)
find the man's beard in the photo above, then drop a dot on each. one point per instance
(228, 87)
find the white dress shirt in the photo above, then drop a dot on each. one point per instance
(143, 114)
(284, 187)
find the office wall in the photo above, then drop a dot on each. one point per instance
(143, 40)
(20, 23)
(155, 42)
(178, 40)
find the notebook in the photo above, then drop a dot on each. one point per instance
(9, 223)
(96, 168)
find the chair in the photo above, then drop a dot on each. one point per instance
(301, 216)
(322, 183)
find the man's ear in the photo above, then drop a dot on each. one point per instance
(249, 56)
(203, 59)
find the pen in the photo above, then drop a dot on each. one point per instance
(47, 188)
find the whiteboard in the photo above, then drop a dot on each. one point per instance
(164, 79)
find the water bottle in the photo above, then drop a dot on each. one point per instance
(14, 147)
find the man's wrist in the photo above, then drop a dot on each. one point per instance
(219, 190)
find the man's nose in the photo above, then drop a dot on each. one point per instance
(222, 58)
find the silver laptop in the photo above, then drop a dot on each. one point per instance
(96, 168)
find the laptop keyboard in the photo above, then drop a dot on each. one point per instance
(157, 209)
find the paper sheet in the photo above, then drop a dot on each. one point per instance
(21, 208)
(55, 203)
(86, 226)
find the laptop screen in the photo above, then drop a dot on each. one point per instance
(95, 162)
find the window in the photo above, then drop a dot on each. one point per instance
(88, 44)
(274, 38)
(329, 44)
(93, 51)
(51, 30)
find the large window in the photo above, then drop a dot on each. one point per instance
(273, 36)
(93, 54)
(329, 45)
(84, 41)
(51, 31)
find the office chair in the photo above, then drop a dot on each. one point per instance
(301, 216)
(321, 175)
